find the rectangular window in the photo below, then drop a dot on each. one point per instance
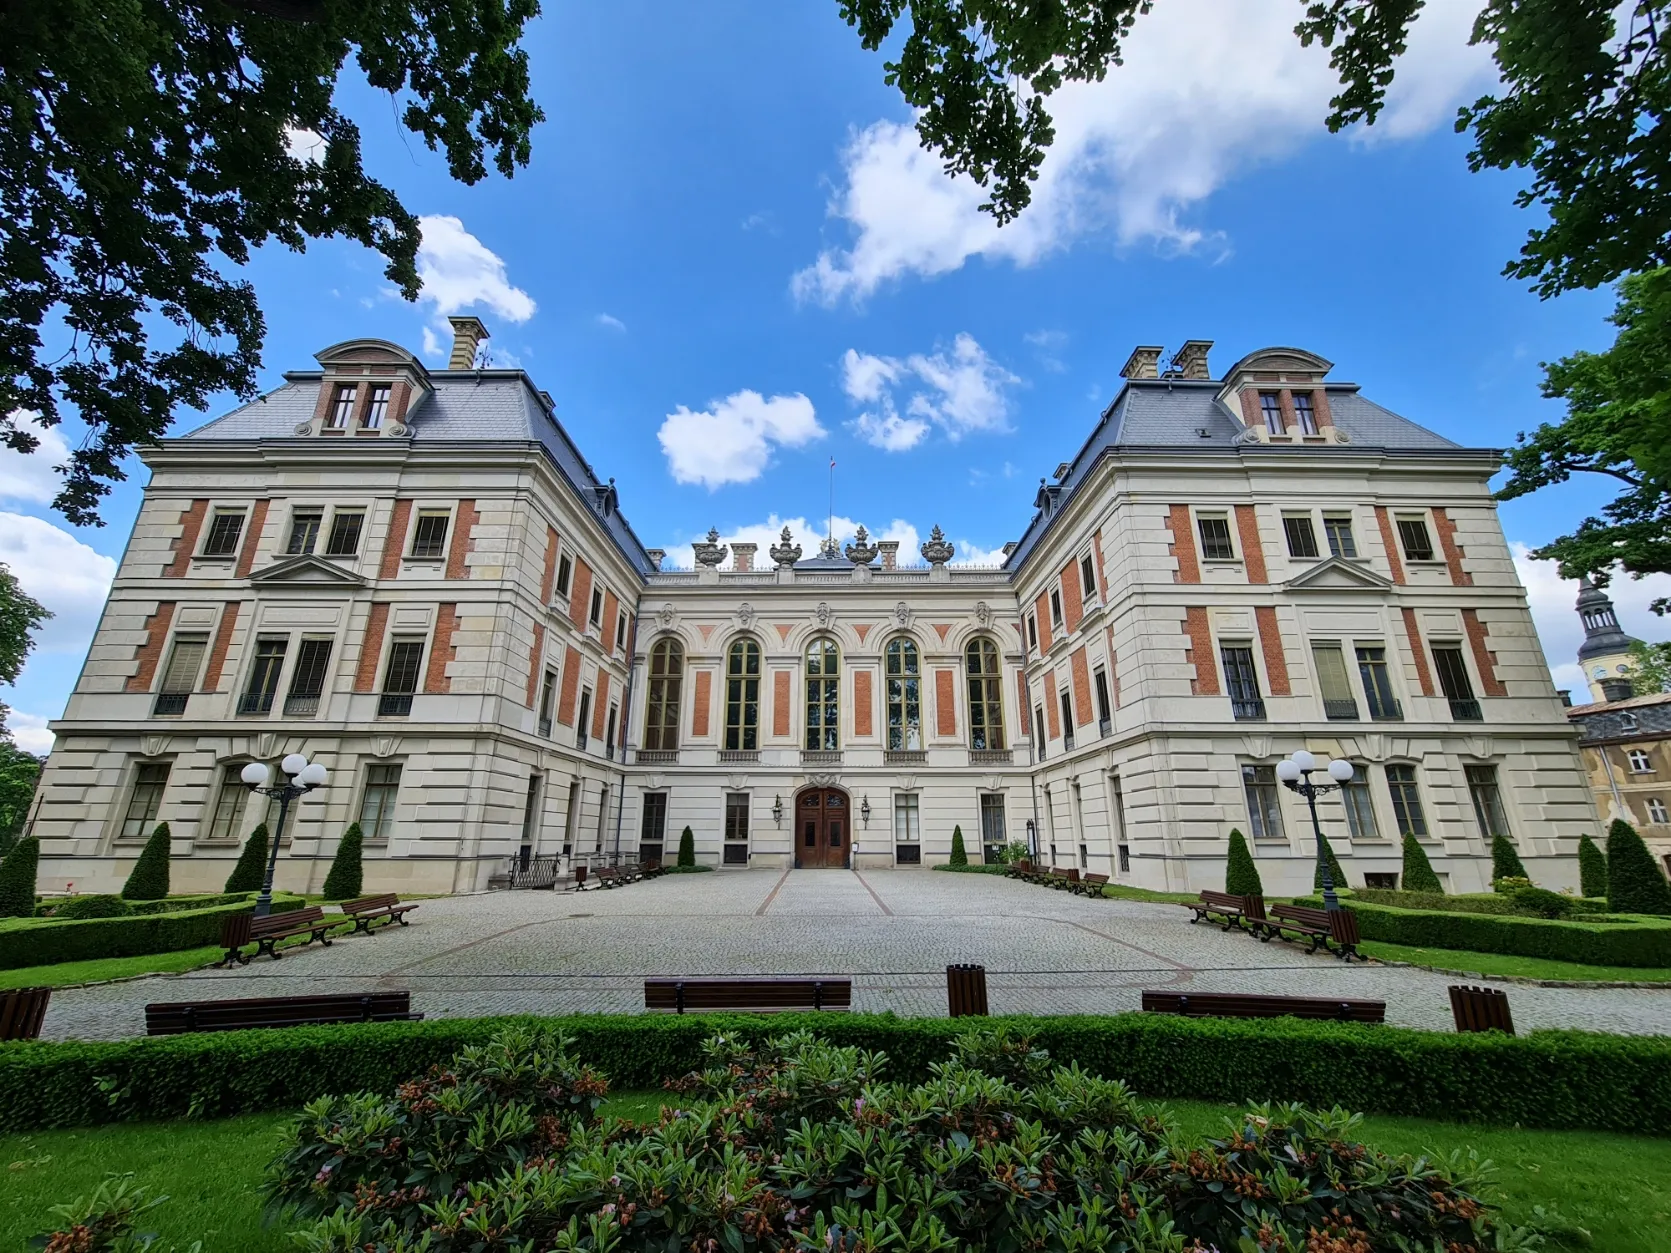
(736, 829)
(993, 839)
(1264, 808)
(1270, 408)
(1241, 682)
(1302, 540)
(1088, 577)
(377, 802)
(1337, 528)
(1056, 608)
(400, 678)
(1406, 801)
(603, 816)
(264, 675)
(621, 630)
(584, 718)
(609, 732)
(908, 833)
(1412, 533)
(565, 570)
(344, 540)
(429, 536)
(1487, 798)
(179, 677)
(1656, 811)
(652, 828)
(1105, 711)
(304, 531)
(548, 695)
(307, 680)
(1360, 806)
(1453, 679)
(1067, 718)
(595, 616)
(378, 407)
(1033, 632)
(342, 407)
(224, 529)
(1215, 537)
(1304, 413)
(1339, 704)
(150, 780)
(1038, 729)
(1640, 762)
(226, 822)
(1377, 684)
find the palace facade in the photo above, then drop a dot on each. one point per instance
(415, 577)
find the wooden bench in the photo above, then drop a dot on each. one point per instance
(369, 909)
(22, 1010)
(1335, 930)
(1063, 877)
(1244, 1005)
(1235, 910)
(265, 933)
(178, 1017)
(761, 996)
(1481, 1009)
(1091, 884)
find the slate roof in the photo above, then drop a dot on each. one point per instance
(1607, 720)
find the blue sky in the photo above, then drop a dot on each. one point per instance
(728, 262)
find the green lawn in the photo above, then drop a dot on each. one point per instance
(66, 973)
(1506, 964)
(1121, 892)
(1616, 1187)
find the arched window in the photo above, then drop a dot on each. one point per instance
(823, 699)
(986, 694)
(905, 719)
(661, 716)
(742, 696)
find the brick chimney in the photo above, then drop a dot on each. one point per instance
(742, 556)
(1191, 359)
(889, 549)
(468, 334)
(1144, 363)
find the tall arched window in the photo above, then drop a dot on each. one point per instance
(742, 696)
(823, 699)
(661, 716)
(986, 694)
(905, 720)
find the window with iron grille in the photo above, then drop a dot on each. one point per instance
(548, 696)
(1088, 577)
(226, 821)
(1339, 704)
(377, 801)
(1377, 683)
(179, 676)
(342, 407)
(1304, 413)
(1360, 806)
(378, 407)
(1033, 632)
(344, 540)
(1406, 800)
(742, 696)
(1453, 680)
(1418, 545)
(1105, 710)
(1270, 408)
(652, 827)
(1487, 798)
(400, 678)
(1264, 806)
(905, 721)
(736, 829)
(307, 680)
(565, 570)
(264, 675)
(661, 720)
(1038, 730)
(150, 780)
(595, 616)
(1056, 607)
(304, 531)
(1215, 537)
(823, 696)
(581, 722)
(1302, 540)
(224, 529)
(1337, 529)
(429, 536)
(908, 834)
(993, 838)
(1241, 682)
(986, 694)
(1067, 718)
(609, 731)
(620, 630)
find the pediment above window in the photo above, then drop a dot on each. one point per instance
(1336, 574)
(294, 571)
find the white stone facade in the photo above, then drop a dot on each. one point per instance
(1164, 605)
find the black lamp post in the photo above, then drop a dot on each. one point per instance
(304, 777)
(1295, 773)
(1033, 840)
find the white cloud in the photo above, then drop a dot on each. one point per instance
(968, 554)
(1048, 346)
(33, 476)
(961, 390)
(61, 572)
(29, 730)
(732, 439)
(610, 322)
(304, 145)
(1553, 599)
(1210, 89)
(459, 272)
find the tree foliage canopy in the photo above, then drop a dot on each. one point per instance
(146, 144)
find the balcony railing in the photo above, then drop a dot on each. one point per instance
(298, 706)
(1248, 710)
(739, 756)
(170, 704)
(1104, 727)
(1340, 710)
(904, 757)
(253, 704)
(545, 727)
(580, 739)
(820, 756)
(1067, 740)
(609, 750)
(657, 756)
(394, 704)
(1467, 710)
(989, 757)
(1386, 711)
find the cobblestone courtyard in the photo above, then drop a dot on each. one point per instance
(893, 932)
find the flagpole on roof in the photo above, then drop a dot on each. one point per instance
(829, 523)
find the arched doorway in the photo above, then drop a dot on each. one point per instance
(823, 829)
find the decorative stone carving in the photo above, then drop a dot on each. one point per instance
(745, 615)
(736, 782)
(861, 552)
(823, 613)
(983, 613)
(902, 614)
(936, 550)
(828, 549)
(786, 553)
(153, 745)
(398, 429)
(384, 745)
(666, 617)
(1258, 746)
(823, 780)
(304, 428)
(711, 552)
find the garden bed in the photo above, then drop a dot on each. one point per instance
(48, 941)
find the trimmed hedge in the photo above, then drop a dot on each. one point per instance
(148, 880)
(1505, 860)
(1470, 903)
(1592, 868)
(687, 848)
(47, 942)
(1335, 872)
(960, 856)
(251, 868)
(1241, 876)
(976, 868)
(1563, 1079)
(17, 879)
(347, 875)
(170, 905)
(1635, 883)
(1418, 871)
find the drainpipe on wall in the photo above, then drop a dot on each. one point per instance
(626, 722)
(1613, 785)
(1033, 739)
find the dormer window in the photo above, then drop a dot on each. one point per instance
(1270, 408)
(378, 408)
(1304, 414)
(342, 407)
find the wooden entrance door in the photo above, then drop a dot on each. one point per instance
(822, 829)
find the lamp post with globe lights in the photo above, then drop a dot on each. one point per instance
(1295, 773)
(304, 775)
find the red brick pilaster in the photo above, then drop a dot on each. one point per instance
(600, 704)
(399, 399)
(1052, 719)
(1389, 541)
(1253, 555)
(1198, 651)
(1320, 405)
(550, 574)
(218, 650)
(1183, 545)
(1251, 415)
(464, 539)
(571, 687)
(1453, 551)
(701, 699)
(580, 603)
(611, 607)
(1102, 574)
(371, 648)
(535, 655)
(191, 525)
(442, 650)
(1113, 668)
(861, 702)
(149, 653)
(1270, 645)
(1073, 600)
(945, 703)
(1041, 613)
(252, 539)
(1085, 710)
(1484, 657)
(394, 543)
(780, 704)
(1424, 676)
(1025, 699)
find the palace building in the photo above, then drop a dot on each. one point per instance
(415, 577)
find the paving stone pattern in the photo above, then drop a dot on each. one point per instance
(893, 932)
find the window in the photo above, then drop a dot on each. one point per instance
(378, 407)
(565, 570)
(908, 834)
(986, 694)
(1656, 810)
(581, 722)
(603, 816)
(342, 407)
(1038, 729)
(400, 678)
(377, 801)
(307, 680)
(1033, 632)
(1640, 763)
(1264, 809)
(609, 731)
(1377, 683)
(1270, 408)
(621, 631)
(264, 675)
(1487, 798)
(823, 696)
(736, 828)
(661, 718)
(548, 696)
(304, 531)
(652, 828)
(595, 614)
(993, 839)
(1412, 533)
(742, 696)
(1241, 681)
(1339, 704)
(1088, 577)
(1384, 879)
(224, 529)
(1304, 413)
(1627, 722)
(344, 540)
(150, 780)
(1302, 540)
(1360, 805)
(429, 537)
(1337, 528)
(1215, 537)
(1067, 718)
(1453, 680)
(179, 676)
(905, 723)
(530, 820)
(1056, 607)
(1105, 712)
(1406, 801)
(227, 819)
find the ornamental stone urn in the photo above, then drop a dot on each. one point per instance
(711, 552)
(861, 552)
(786, 553)
(936, 550)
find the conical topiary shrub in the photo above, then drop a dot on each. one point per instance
(17, 879)
(247, 875)
(687, 848)
(959, 856)
(1634, 883)
(343, 883)
(1418, 871)
(1241, 876)
(1335, 871)
(1592, 869)
(148, 881)
(1505, 861)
